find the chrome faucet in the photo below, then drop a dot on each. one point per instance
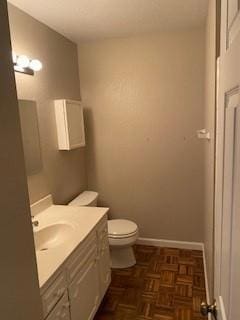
(35, 223)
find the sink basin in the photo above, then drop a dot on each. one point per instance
(52, 236)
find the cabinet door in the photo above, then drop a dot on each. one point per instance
(53, 293)
(84, 293)
(61, 310)
(70, 124)
(104, 265)
(75, 124)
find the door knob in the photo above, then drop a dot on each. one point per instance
(209, 308)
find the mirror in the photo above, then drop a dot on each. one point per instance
(30, 136)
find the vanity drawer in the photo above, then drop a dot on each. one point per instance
(53, 293)
(81, 257)
(61, 310)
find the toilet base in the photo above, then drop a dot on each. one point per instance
(122, 257)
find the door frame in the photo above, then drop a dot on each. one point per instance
(218, 207)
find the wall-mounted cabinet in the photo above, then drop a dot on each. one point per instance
(70, 124)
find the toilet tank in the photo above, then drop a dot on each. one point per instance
(86, 198)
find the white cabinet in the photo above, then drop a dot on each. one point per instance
(70, 124)
(84, 279)
(84, 292)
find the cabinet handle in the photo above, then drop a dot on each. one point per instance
(63, 315)
(104, 249)
(96, 300)
(75, 295)
(58, 314)
(66, 305)
(58, 293)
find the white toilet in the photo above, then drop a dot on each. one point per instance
(122, 234)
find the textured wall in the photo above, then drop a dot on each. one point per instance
(19, 296)
(64, 173)
(143, 99)
(209, 146)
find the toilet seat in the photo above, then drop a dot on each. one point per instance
(121, 228)
(117, 242)
(122, 236)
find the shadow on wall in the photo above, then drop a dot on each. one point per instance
(91, 155)
(90, 144)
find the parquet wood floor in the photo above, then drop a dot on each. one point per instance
(165, 284)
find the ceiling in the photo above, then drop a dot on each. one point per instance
(83, 20)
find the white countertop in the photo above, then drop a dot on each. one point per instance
(82, 219)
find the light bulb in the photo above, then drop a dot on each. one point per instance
(35, 65)
(14, 57)
(23, 61)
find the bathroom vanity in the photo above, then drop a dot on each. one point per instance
(73, 260)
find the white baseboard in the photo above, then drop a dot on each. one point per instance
(171, 243)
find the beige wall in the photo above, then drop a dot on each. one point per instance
(143, 99)
(64, 173)
(19, 294)
(209, 146)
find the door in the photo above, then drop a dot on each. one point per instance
(84, 292)
(227, 199)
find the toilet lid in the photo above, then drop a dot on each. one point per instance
(120, 227)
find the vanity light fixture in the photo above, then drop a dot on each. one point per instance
(25, 65)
